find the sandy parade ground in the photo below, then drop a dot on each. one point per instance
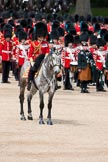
(79, 133)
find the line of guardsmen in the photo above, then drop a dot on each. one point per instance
(82, 44)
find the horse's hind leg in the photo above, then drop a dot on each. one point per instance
(49, 121)
(41, 121)
(29, 98)
(21, 97)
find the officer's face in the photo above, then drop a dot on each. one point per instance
(40, 39)
(8, 39)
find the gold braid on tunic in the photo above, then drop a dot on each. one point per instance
(36, 48)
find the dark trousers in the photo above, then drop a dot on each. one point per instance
(35, 67)
(99, 81)
(84, 85)
(67, 84)
(5, 70)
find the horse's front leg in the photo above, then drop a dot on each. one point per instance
(41, 121)
(21, 97)
(49, 121)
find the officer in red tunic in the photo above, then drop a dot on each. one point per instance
(38, 49)
(6, 54)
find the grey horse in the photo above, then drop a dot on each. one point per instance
(45, 82)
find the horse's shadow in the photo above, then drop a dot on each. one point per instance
(68, 122)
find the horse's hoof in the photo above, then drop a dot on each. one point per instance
(41, 122)
(23, 118)
(30, 118)
(49, 122)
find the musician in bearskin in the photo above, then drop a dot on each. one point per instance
(85, 60)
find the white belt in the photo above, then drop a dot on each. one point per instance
(6, 51)
(67, 58)
(21, 56)
(99, 61)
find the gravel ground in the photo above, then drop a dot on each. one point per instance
(79, 133)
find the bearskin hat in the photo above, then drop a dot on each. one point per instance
(18, 28)
(1, 20)
(93, 39)
(106, 37)
(84, 37)
(7, 34)
(94, 20)
(89, 18)
(103, 32)
(22, 35)
(61, 32)
(41, 29)
(23, 23)
(106, 20)
(96, 27)
(54, 34)
(77, 39)
(100, 42)
(2, 27)
(7, 27)
(38, 17)
(73, 31)
(55, 24)
(76, 17)
(83, 26)
(5, 15)
(68, 39)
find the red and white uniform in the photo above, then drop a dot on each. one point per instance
(21, 53)
(93, 51)
(100, 59)
(65, 58)
(6, 50)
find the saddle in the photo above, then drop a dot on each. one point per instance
(25, 75)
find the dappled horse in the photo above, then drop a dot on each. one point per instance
(44, 82)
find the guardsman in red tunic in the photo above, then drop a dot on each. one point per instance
(93, 49)
(21, 50)
(106, 62)
(66, 59)
(6, 54)
(38, 49)
(100, 64)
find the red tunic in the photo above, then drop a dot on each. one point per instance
(65, 58)
(6, 50)
(37, 48)
(21, 53)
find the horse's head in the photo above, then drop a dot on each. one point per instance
(55, 62)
